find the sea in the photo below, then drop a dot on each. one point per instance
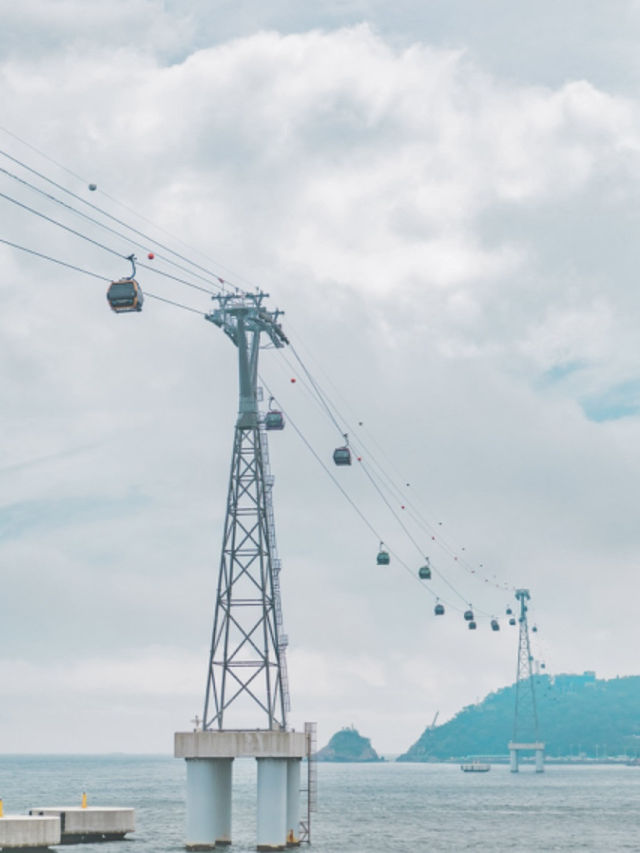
(362, 808)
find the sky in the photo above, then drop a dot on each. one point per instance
(443, 198)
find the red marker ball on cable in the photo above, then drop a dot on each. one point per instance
(151, 256)
(293, 380)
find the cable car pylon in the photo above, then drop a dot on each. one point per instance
(526, 735)
(246, 679)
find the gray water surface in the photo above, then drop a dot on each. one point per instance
(362, 808)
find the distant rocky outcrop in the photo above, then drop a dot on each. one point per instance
(348, 745)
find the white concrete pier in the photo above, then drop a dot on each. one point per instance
(209, 756)
(513, 760)
(272, 803)
(79, 825)
(23, 832)
(516, 748)
(208, 802)
(293, 802)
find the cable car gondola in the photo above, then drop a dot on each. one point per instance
(274, 419)
(126, 294)
(509, 611)
(512, 621)
(383, 558)
(472, 625)
(424, 572)
(495, 625)
(468, 615)
(342, 455)
(535, 629)
(439, 609)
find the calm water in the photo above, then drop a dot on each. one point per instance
(373, 808)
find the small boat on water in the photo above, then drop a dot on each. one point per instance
(475, 767)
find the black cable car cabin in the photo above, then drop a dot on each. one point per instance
(512, 621)
(274, 420)
(495, 625)
(468, 615)
(439, 609)
(472, 625)
(125, 295)
(509, 611)
(342, 456)
(424, 573)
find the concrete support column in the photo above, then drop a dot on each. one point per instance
(208, 802)
(539, 760)
(293, 802)
(272, 803)
(513, 755)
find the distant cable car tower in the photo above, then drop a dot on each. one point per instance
(247, 680)
(526, 735)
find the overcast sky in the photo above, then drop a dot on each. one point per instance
(443, 197)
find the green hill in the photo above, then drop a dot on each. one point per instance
(578, 715)
(348, 745)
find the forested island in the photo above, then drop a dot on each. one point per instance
(580, 716)
(348, 745)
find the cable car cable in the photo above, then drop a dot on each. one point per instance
(321, 397)
(53, 260)
(42, 154)
(453, 552)
(320, 462)
(152, 240)
(313, 397)
(420, 550)
(106, 228)
(96, 275)
(350, 500)
(61, 225)
(100, 245)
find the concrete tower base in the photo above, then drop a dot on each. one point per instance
(514, 755)
(209, 756)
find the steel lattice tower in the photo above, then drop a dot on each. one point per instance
(247, 658)
(525, 720)
(526, 735)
